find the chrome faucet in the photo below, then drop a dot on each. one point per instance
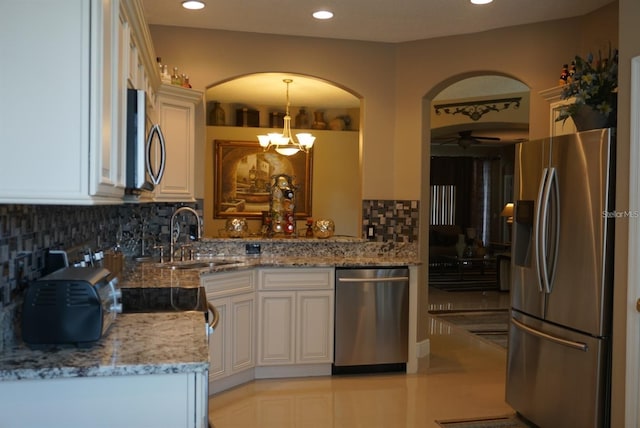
(174, 236)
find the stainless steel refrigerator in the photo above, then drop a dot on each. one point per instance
(559, 351)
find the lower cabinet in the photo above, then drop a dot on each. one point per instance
(160, 400)
(274, 322)
(295, 316)
(232, 343)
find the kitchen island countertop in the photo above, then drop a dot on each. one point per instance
(135, 344)
(151, 275)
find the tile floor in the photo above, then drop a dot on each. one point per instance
(463, 377)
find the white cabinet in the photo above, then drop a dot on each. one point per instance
(553, 96)
(176, 108)
(164, 400)
(276, 337)
(58, 133)
(62, 123)
(295, 314)
(232, 344)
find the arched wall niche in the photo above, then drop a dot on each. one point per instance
(336, 190)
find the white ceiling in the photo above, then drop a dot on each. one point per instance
(389, 21)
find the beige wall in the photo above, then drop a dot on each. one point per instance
(210, 56)
(392, 79)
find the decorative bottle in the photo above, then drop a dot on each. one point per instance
(175, 77)
(319, 122)
(217, 115)
(309, 232)
(302, 119)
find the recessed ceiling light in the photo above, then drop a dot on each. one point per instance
(323, 14)
(193, 4)
(481, 1)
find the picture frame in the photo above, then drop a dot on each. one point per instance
(243, 174)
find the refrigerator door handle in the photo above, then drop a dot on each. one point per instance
(570, 343)
(538, 226)
(555, 192)
(547, 271)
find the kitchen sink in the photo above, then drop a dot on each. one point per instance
(164, 299)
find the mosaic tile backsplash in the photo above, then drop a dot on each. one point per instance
(27, 232)
(395, 221)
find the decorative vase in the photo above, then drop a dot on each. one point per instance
(587, 118)
(460, 246)
(217, 116)
(318, 122)
(302, 119)
(324, 228)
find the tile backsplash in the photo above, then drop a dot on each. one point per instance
(391, 220)
(28, 231)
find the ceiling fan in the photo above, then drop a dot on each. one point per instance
(466, 139)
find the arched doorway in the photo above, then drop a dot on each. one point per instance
(474, 123)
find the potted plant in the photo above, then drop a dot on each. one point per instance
(593, 86)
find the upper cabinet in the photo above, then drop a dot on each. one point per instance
(63, 121)
(176, 107)
(553, 96)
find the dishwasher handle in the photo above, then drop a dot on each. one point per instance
(377, 279)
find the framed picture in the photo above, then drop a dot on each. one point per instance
(243, 174)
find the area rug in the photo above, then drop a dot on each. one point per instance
(492, 325)
(508, 421)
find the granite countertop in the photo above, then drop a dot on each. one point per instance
(151, 275)
(135, 344)
(159, 342)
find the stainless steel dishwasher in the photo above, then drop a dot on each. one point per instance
(371, 319)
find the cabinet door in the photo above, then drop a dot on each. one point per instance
(160, 400)
(561, 127)
(242, 355)
(276, 335)
(218, 340)
(231, 346)
(108, 90)
(176, 110)
(314, 321)
(60, 135)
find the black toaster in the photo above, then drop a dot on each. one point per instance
(73, 305)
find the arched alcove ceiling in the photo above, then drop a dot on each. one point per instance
(268, 89)
(509, 125)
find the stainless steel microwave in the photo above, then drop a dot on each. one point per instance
(146, 149)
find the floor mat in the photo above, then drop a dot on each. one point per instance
(492, 325)
(509, 421)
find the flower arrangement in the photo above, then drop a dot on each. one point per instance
(593, 83)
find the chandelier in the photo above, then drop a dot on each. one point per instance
(284, 143)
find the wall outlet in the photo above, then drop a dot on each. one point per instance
(252, 249)
(371, 232)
